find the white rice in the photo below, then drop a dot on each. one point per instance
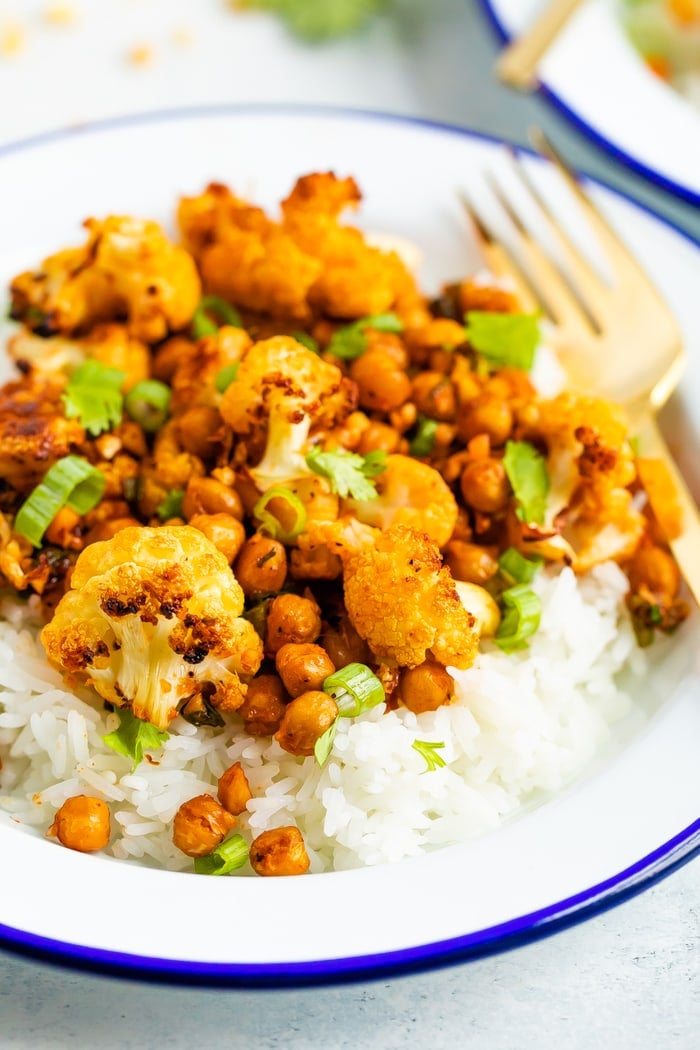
(523, 725)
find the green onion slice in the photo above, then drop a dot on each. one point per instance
(523, 610)
(202, 323)
(171, 506)
(423, 441)
(516, 568)
(350, 342)
(428, 749)
(355, 689)
(293, 520)
(324, 744)
(225, 377)
(148, 404)
(70, 482)
(230, 855)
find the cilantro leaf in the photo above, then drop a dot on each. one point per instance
(306, 340)
(504, 339)
(348, 472)
(315, 20)
(93, 396)
(350, 342)
(428, 749)
(171, 506)
(527, 473)
(134, 736)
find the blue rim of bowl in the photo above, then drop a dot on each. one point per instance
(679, 189)
(639, 876)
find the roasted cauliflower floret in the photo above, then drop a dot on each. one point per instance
(410, 493)
(127, 269)
(193, 380)
(285, 388)
(110, 344)
(152, 619)
(34, 431)
(404, 603)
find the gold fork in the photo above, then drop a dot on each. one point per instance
(618, 341)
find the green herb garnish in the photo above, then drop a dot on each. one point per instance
(134, 736)
(504, 339)
(351, 341)
(348, 472)
(324, 744)
(225, 377)
(523, 609)
(355, 689)
(428, 750)
(527, 472)
(423, 441)
(93, 396)
(211, 313)
(171, 506)
(148, 404)
(516, 568)
(227, 857)
(70, 482)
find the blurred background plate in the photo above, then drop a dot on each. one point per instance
(594, 74)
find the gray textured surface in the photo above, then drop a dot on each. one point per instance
(629, 979)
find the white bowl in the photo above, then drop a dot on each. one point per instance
(628, 820)
(594, 74)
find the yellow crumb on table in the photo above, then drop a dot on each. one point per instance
(141, 55)
(60, 14)
(13, 39)
(182, 36)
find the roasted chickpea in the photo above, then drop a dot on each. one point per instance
(291, 619)
(653, 568)
(378, 436)
(104, 530)
(303, 667)
(264, 705)
(200, 825)
(261, 566)
(382, 383)
(225, 532)
(82, 823)
(470, 561)
(280, 851)
(305, 719)
(485, 486)
(486, 415)
(209, 496)
(197, 430)
(344, 645)
(434, 396)
(168, 356)
(426, 687)
(233, 789)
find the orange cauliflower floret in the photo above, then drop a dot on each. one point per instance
(34, 432)
(128, 267)
(410, 493)
(152, 619)
(404, 603)
(110, 344)
(284, 387)
(590, 515)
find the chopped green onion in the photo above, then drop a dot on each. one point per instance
(324, 744)
(306, 340)
(70, 482)
(527, 473)
(428, 749)
(93, 396)
(351, 341)
(230, 855)
(423, 441)
(148, 404)
(272, 524)
(225, 377)
(134, 736)
(348, 472)
(355, 689)
(171, 506)
(516, 568)
(202, 323)
(504, 339)
(257, 615)
(523, 610)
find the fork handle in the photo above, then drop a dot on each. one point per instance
(517, 65)
(686, 546)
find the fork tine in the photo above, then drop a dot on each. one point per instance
(499, 260)
(569, 304)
